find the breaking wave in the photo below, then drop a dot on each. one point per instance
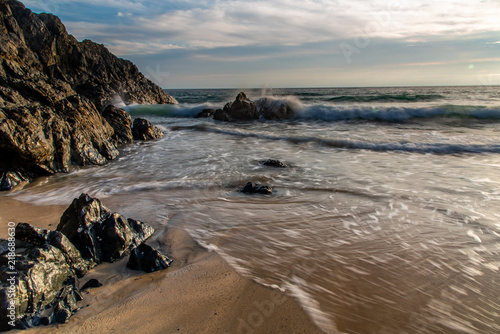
(409, 147)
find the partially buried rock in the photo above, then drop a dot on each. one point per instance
(273, 163)
(99, 234)
(250, 188)
(91, 283)
(147, 259)
(144, 130)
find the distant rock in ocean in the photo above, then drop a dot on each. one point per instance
(53, 90)
(244, 109)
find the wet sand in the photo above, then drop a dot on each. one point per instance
(199, 293)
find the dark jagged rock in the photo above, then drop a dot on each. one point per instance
(121, 122)
(144, 130)
(147, 259)
(99, 234)
(221, 115)
(9, 180)
(242, 109)
(205, 113)
(250, 188)
(91, 283)
(273, 163)
(39, 237)
(45, 285)
(52, 90)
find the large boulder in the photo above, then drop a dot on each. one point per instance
(99, 234)
(39, 268)
(144, 130)
(42, 283)
(242, 109)
(52, 91)
(39, 237)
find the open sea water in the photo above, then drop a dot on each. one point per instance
(386, 220)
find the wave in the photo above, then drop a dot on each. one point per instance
(408, 147)
(396, 114)
(387, 98)
(332, 112)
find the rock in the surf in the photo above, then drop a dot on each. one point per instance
(205, 113)
(147, 259)
(275, 109)
(257, 188)
(242, 109)
(144, 130)
(273, 163)
(99, 234)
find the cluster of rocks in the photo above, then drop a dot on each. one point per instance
(48, 264)
(244, 109)
(257, 188)
(55, 94)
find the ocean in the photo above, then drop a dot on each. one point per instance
(386, 219)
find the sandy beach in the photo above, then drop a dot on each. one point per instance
(199, 293)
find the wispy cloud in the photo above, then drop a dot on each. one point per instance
(283, 35)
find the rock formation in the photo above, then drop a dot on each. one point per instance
(52, 91)
(99, 234)
(244, 109)
(144, 130)
(44, 280)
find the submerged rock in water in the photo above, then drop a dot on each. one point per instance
(44, 282)
(52, 90)
(242, 109)
(273, 163)
(99, 234)
(147, 259)
(205, 113)
(144, 130)
(250, 188)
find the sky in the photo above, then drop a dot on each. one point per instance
(294, 43)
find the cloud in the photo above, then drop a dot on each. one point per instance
(257, 38)
(208, 24)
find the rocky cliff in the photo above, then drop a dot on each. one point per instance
(53, 90)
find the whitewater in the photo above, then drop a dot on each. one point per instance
(386, 219)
